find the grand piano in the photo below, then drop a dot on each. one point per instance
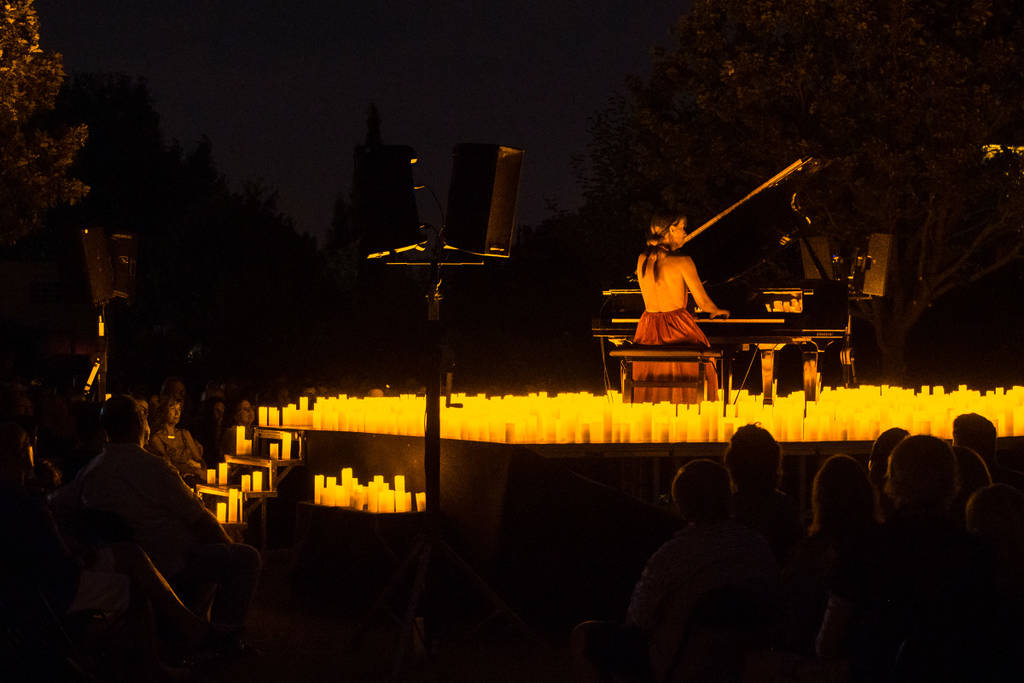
(757, 235)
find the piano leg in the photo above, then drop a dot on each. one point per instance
(810, 355)
(767, 373)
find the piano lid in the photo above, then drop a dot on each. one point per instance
(752, 232)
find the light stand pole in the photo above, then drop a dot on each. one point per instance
(430, 539)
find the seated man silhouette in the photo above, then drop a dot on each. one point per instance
(754, 460)
(713, 564)
(185, 542)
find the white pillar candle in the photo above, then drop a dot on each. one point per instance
(275, 451)
(399, 483)
(262, 413)
(222, 512)
(246, 482)
(372, 497)
(211, 477)
(222, 474)
(318, 489)
(232, 506)
(378, 479)
(386, 501)
(286, 446)
(346, 476)
(405, 505)
(273, 417)
(303, 402)
(343, 497)
(421, 501)
(257, 480)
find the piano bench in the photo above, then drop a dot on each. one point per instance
(701, 355)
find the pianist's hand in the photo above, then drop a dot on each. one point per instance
(720, 313)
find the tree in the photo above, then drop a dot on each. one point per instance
(34, 161)
(900, 98)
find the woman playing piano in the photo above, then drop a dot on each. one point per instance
(666, 279)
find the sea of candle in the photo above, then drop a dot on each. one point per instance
(839, 414)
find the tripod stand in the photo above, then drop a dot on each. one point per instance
(430, 545)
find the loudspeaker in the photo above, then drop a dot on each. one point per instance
(123, 253)
(384, 213)
(822, 250)
(879, 258)
(98, 271)
(482, 198)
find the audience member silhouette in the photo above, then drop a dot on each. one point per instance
(168, 521)
(174, 387)
(242, 414)
(754, 460)
(116, 581)
(979, 434)
(174, 444)
(681, 586)
(211, 430)
(878, 464)
(844, 529)
(972, 474)
(927, 607)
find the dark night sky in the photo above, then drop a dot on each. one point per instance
(282, 89)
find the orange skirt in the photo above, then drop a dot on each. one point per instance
(671, 327)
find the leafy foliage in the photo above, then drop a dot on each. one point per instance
(34, 160)
(899, 98)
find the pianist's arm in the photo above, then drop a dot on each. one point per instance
(692, 280)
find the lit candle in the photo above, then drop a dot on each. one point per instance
(373, 497)
(222, 512)
(222, 474)
(386, 501)
(286, 446)
(275, 451)
(346, 476)
(211, 477)
(257, 480)
(262, 413)
(399, 483)
(421, 502)
(329, 485)
(246, 482)
(232, 506)
(406, 505)
(318, 489)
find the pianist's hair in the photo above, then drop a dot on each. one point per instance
(658, 240)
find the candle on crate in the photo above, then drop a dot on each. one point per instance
(242, 445)
(232, 506)
(211, 477)
(386, 501)
(273, 417)
(329, 485)
(246, 482)
(222, 512)
(404, 502)
(421, 502)
(257, 480)
(360, 498)
(346, 476)
(275, 451)
(318, 489)
(342, 496)
(286, 446)
(399, 483)
(262, 413)
(222, 474)
(378, 479)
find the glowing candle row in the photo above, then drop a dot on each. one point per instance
(250, 482)
(230, 512)
(838, 415)
(376, 496)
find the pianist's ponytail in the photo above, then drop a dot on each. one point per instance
(657, 242)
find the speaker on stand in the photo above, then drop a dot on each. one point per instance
(482, 198)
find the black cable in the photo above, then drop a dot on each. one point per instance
(745, 376)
